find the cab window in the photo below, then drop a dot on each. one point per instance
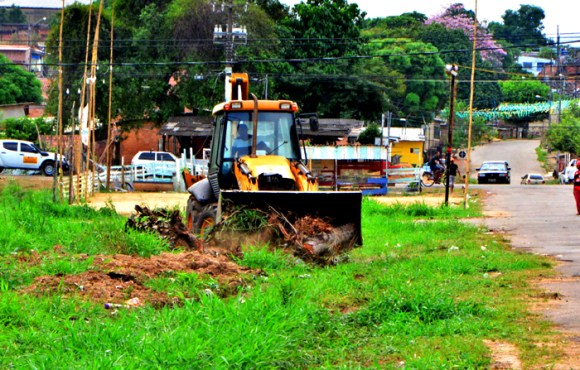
(165, 157)
(27, 148)
(11, 146)
(147, 156)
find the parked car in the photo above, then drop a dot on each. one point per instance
(567, 175)
(532, 178)
(494, 172)
(24, 155)
(156, 164)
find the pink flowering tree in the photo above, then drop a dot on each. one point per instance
(456, 17)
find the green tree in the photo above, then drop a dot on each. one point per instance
(275, 10)
(325, 28)
(18, 85)
(423, 71)
(25, 128)
(455, 47)
(369, 134)
(565, 136)
(522, 28)
(12, 14)
(523, 91)
(380, 27)
(140, 89)
(324, 79)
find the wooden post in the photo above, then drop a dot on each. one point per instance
(56, 188)
(108, 146)
(468, 162)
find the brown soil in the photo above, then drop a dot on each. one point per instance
(124, 203)
(27, 182)
(121, 279)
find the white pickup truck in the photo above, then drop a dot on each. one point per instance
(24, 155)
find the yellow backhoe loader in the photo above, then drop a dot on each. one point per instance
(256, 160)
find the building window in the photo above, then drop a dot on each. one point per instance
(528, 65)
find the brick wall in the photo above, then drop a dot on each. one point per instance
(145, 137)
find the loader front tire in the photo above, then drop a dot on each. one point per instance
(194, 208)
(206, 220)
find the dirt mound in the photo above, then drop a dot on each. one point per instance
(121, 279)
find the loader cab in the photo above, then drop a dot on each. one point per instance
(276, 135)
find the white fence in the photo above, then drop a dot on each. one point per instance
(124, 177)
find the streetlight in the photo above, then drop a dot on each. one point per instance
(452, 71)
(31, 27)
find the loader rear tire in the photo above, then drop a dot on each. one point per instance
(206, 220)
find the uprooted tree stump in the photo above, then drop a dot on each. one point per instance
(166, 223)
(309, 238)
(315, 239)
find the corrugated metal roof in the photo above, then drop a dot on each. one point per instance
(202, 126)
(363, 152)
(187, 126)
(334, 127)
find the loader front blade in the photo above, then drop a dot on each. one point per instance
(338, 208)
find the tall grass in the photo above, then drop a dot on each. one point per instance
(32, 221)
(423, 292)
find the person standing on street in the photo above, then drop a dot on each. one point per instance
(576, 183)
(453, 171)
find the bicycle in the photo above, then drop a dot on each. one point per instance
(428, 178)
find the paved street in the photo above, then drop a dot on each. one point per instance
(538, 218)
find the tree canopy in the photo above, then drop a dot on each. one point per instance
(17, 85)
(324, 54)
(522, 28)
(12, 14)
(566, 135)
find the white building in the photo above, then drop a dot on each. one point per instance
(534, 64)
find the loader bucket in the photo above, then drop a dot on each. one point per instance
(338, 208)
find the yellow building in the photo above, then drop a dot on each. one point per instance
(408, 144)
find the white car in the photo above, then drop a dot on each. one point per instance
(567, 175)
(24, 155)
(156, 164)
(532, 178)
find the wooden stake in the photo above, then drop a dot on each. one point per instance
(79, 144)
(108, 147)
(55, 188)
(468, 164)
(92, 101)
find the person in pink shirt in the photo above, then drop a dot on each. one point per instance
(576, 183)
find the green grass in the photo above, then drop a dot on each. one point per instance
(542, 154)
(424, 291)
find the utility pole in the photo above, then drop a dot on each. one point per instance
(224, 34)
(229, 51)
(451, 70)
(561, 76)
(389, 122)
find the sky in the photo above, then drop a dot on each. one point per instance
(560, 13)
